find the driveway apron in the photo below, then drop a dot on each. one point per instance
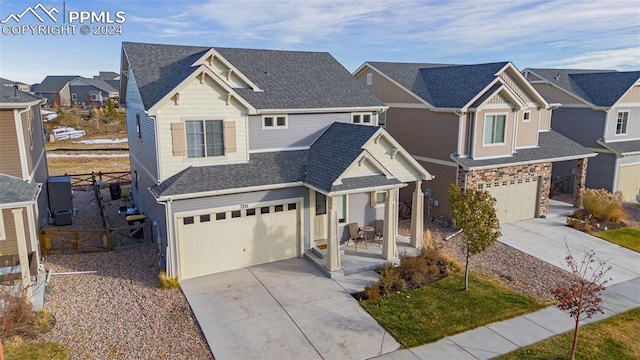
(283, 310)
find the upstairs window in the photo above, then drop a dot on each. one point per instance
(138, 129)
(382, 119)
(274, 122)
(526, 116)
(621, 125)
(204, 138)
(369, 78)
(361, 118)
(494, 128)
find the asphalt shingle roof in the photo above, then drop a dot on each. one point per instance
(15, 190)
(289, 79)
(625, 147)
(320, 166)
(54, 83)
(100, 84)
(552, 145)
(442, 85)
(10, 95)
(4, 81)
(599, 87)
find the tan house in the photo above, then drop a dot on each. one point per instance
(481, 126)
(23, 170)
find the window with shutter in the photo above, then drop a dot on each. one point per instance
(178, 138)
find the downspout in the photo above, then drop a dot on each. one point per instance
(515, 130)
(461, 115)
(22, 145)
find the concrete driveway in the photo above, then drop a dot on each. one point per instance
(546, 238)
(283, 310)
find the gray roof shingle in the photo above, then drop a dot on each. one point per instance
(328, 157)
(4, 81)
(623, 147)
(599, 87)
(100, 84)
(442, 85)
(10, 95)
(15, 190)
(552, 146)
(290, 79)
(54, 83)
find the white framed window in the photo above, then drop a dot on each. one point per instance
(378, 198)
(3, 234)
(275, 122)
(205, 138)
(74, 97)
(526, 116)
(382, 119)
(494, 129)
(361, 118)
(621, 124)
(369, 78)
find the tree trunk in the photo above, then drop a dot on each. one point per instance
(574, 346)
(466, 268)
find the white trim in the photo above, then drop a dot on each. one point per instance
(214, 210)
(581, 106)
(626, 122)
(292, 148)
(525, 112)
(361, 116)
(616, 175)
(627, 105)
(364, 155)
(435, 161)
(493, 106)
(527, 84)
(460, 147)
(528, 147)
(22, 146)
(630, 164)
(366, 190)
(213, 52)
(228, 191)
(22, 105)
(274, 119)
(322, 110)
(481, 92)
(621, 140)
(496, 166)
(408, 105)
(601, 150)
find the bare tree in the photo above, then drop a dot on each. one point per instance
(582, 298)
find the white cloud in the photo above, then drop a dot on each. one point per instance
(621, 59)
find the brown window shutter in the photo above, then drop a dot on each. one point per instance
(230, 137)
(179, 138)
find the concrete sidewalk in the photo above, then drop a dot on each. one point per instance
(506, 336)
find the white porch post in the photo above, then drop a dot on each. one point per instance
(417, 216)
(333, 246)
(389, 236)
(21, 238)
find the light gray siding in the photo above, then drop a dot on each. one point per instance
(248, 198)
(600, 170)
(143, 149)
(633, 124)
(302, 130)
(359, 210)
(582, 125)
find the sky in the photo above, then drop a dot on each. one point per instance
(593, 34)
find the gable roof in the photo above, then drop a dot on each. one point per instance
(106, 75)
(4, 81)
(15, 190)
(598, 87)
(441, 85)
(622, 148)
(289, 79)
(54, 83)
(99, 84)
(13, 96)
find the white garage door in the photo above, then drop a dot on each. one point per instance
(515, 199)
(218, 241)
(629, 181)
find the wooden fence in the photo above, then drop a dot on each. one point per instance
(120, 177)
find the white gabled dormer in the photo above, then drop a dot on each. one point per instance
(228, 73)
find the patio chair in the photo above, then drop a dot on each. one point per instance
(356, 235)
(378, 226)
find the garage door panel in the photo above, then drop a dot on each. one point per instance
(629, 181)
(515, 199)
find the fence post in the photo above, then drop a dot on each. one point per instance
(75, 241)
(45, 242)
(105, 240)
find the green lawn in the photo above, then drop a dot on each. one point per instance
(627, 237)
(614, 338)
(443, 308)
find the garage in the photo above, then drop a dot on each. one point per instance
(629, 181)
(515, 199)
(221, 240)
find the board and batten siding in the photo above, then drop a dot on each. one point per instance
(515, 85)
(423, 132)
(490, 150)
(385, 90)
(554, 95)
(212, 202)
(582, 125)
(633, 125)
(10, 158)
(9, 246)
(302, 130)
(204, 100)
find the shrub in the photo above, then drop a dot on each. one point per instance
(574, 223)
(372, 292)
(417, 271)
(602, 204)
(390, 280)
(166, 282)
(16, 316)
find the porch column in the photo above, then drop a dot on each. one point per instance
(417, 216)
(389, 236)
(21, 239)
(581, 178)
(333, 246)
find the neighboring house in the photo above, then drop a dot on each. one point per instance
(55, 88)
(479, 126)
(92, 92)
(21, 86)
(600, 110)
(23, 170)
(241, 156)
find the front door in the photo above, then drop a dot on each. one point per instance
(320, 219)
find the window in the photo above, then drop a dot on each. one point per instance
(187, 220)
(204, 138)
(205, 218)
(74, 97)
(138, 130)
(236, 214)
(278, 208)
(342, 209)
(382, 119)
(526, 116)
(494, 129)
(621, 125)
(369, 78)
(221, 216)
(361, 118)
(264, 210)
(291, 206)
(274, 122)
(251, 212)
(378, 198)
(321, 204)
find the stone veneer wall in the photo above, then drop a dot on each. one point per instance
(541, 170)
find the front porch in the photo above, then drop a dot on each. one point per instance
(363, 259)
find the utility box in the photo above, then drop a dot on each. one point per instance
(59, 190)
(62, 217)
